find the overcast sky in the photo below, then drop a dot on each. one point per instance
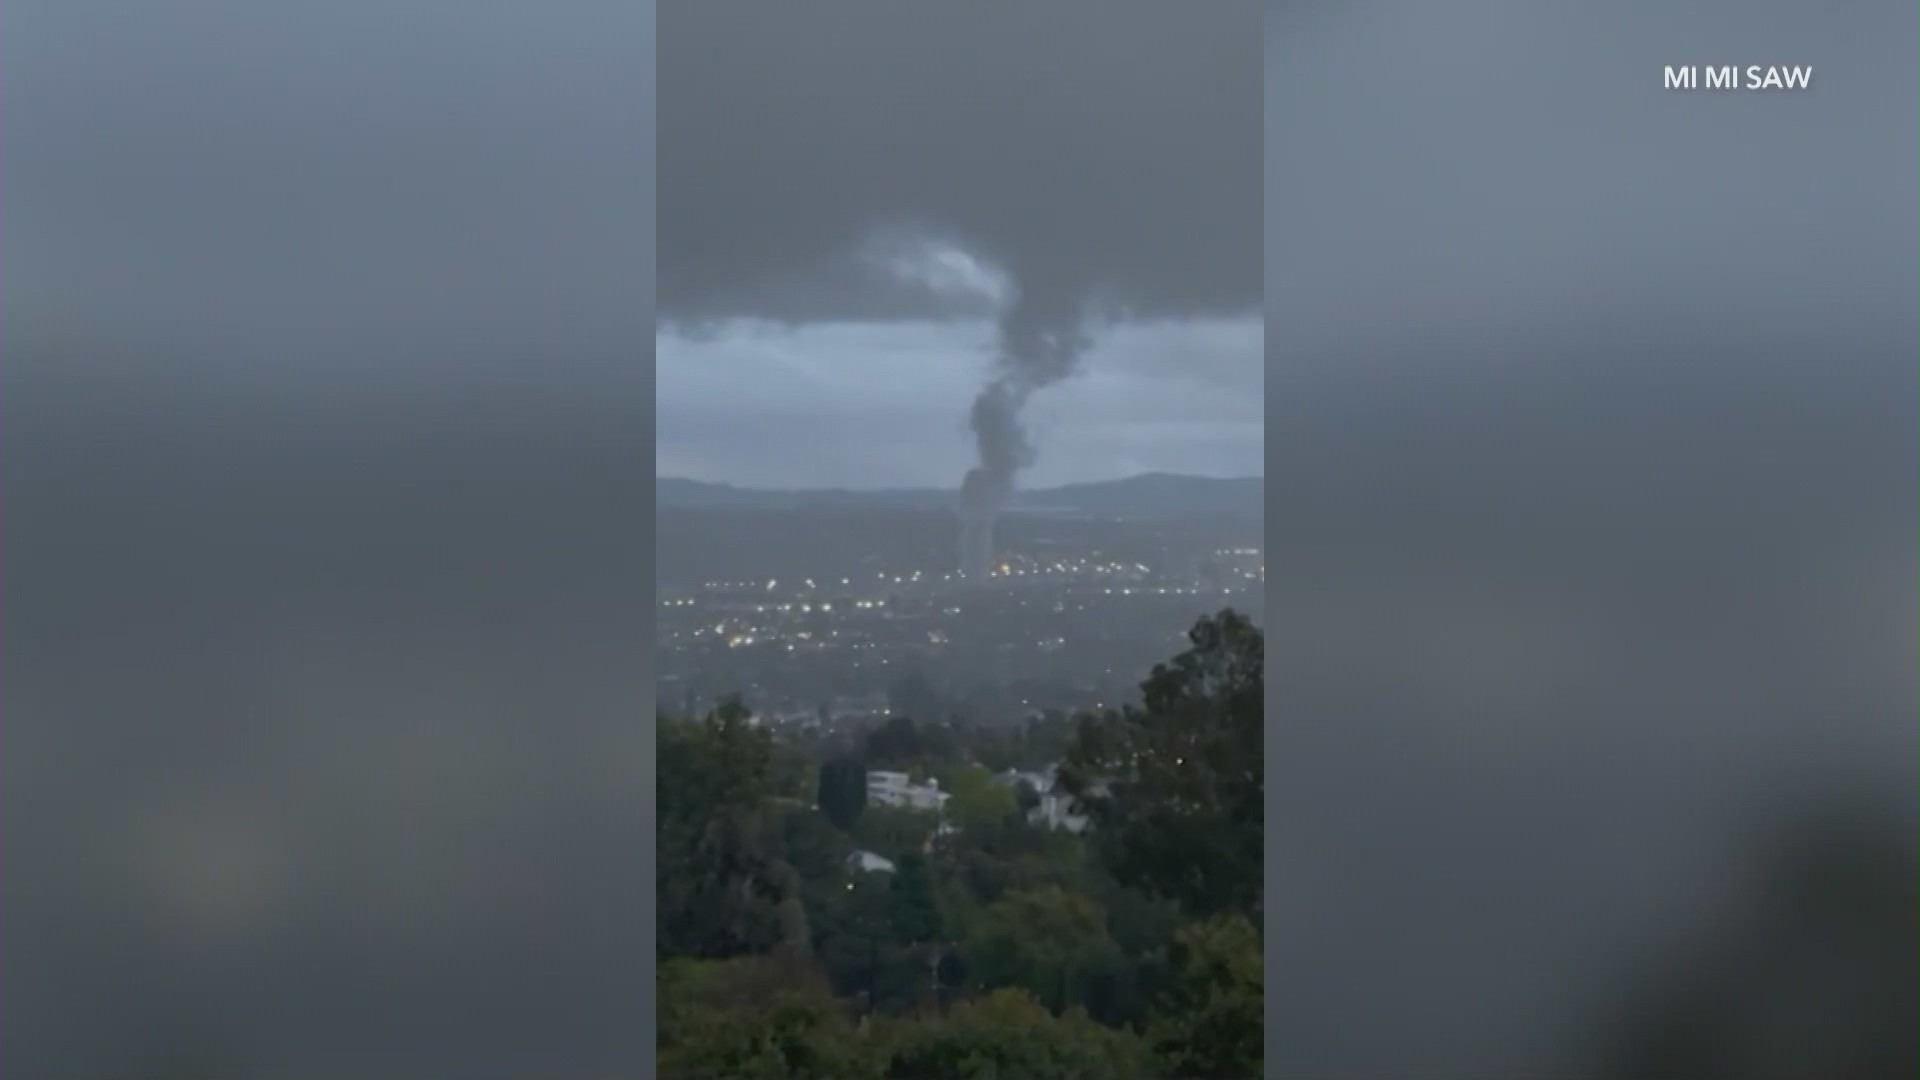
(849, 193)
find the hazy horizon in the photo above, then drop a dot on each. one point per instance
(876, 404)
(1120, 478)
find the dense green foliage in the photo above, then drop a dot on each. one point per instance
(977, 800)
(1215, 1022)
(1176, 787)
(1008, 1034)
(994, 948)
(724, 889)
(843, 792)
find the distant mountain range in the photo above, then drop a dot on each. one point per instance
(1148, 495)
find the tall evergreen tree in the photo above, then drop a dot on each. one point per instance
(1176, 787)
(843, 792)
(721, 891)
(916, 917)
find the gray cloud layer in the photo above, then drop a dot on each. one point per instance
(1091, 144)
(825, 162)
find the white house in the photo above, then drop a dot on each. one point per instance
(1055, 810)
(1013, 778)
(866, 862)
(896, 789)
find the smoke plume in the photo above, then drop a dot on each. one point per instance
(1041, 339)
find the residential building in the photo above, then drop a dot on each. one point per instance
(897, 789)
(866, 862)
(1055, 810)
(1013, 778)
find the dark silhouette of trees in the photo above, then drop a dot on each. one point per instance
(1048, 940)
(1212, 1021)
(721, 891)
(1008, 1033)
(1176, 787)
(896, 743)
(853, 930)
(812, 845)
(843, 792)
(915, 917)
(756, 1017)
(1001, 949)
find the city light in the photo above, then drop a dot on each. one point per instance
(1097, 601)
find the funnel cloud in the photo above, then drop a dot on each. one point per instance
(1041, 340)
(1109, 153)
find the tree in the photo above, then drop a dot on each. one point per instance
(843, 791)
(793, 772)
(813, 847)
(893, 831)
(1175, 788)
(864, 933)
(1047, 940)
(1007, 1035)
(977, 800)
(939, 742)
(994, 748)
(998, 857)
(896, 742)
(1213, 1021)
(852, 924)
(721, 890)
(1045, 739)
(755, 1019)
(721, 762)
(916, 918)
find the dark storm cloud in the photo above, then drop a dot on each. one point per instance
(1086, 145)
(1592, 434)
(1095, 155)
(326, 420)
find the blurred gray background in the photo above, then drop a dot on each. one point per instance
(327, 413)
(325, 423)
(1591, 444)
